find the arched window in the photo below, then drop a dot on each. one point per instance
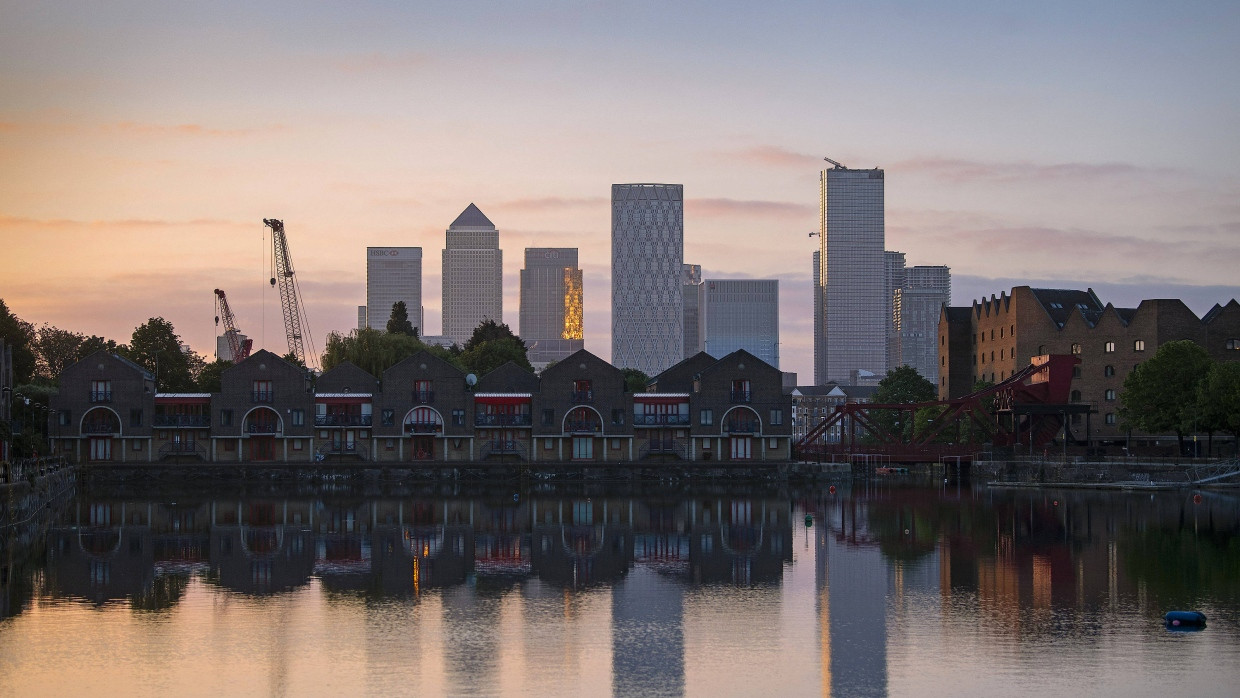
(1108, 371)
(1076, 396)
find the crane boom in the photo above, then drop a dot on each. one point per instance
(289, 294)
(838, 166)
(239, 348)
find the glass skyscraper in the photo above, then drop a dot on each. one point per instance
(551, 309)
(473, 275)
(647, 258)
(392, 274)
(741, 314)
(854, 306)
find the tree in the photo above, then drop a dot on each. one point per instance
(156, 346)
(487, 331)
(1218, 399)
(490, 355)
(20, 335)
(1161, 394)
(634, 380)
(95, 343)
(399, 322)
(56, 350)
(902, 386)
(293, 359)
(208, 379)
(374, 351)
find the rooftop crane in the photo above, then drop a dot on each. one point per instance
(239, 348)
(290, 294)
(838, 166)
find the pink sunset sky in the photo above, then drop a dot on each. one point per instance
(142, 144)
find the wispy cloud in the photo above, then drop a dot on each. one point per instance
(740, 207)
(550, 203)
(14, 222)
(961, 170)
(772, 155)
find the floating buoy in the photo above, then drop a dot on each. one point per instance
(1196, 499)
(831, 489)
(1185, 620)
(809, 520)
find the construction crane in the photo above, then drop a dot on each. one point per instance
(290, 295)
(838, 166)
(239, 348)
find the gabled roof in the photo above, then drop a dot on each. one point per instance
(134, 365)
(1059, 304)
(472, 217)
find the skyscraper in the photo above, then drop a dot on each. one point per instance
(853, 307)
(647, 258)
(551, 308)
(693, 305)
(741, 314)
(893, 283)
(473, 275)
(392, 274)
(917, 308)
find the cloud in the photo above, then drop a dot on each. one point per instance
(961, 170)
(62, 223)
(738, 207)
(551, 203)
(774, 156)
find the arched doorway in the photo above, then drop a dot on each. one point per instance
(741, 424)
(100, 425)
(261, 425)
(422, 424)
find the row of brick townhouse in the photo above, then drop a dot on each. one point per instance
(425, 409)
(995, 338)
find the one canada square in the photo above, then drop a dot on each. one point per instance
(853, 306)
(647, 265)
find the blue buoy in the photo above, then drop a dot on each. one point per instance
(809, 520)
(1185, 620)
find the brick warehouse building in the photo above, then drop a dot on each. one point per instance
(994, 338)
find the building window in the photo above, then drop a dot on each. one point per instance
(992, 335)
(1109, 395)
(706, 444)
(1000, 333)
(1108, 371)
(615, 444)
(548, 417)
(388, 417)
(777, 417)
(296, 444)
(1076, 371)
(1076, 349)
(389, 444)
(547, 444)
(226, 418)
(261, 391)
(422, 392)
(1012, 331)
(135, 416)
(740, 391)
(1001, 353)
(1138, 345)
(706, 417)
(65, 416)
(1110, 418)
(299, 417)
(617, 416)
(1041, 349)
(992, 356)
(1233, 344)
(1075, 397)
(942, 360)
(137, 445)
(1109, 347)
(458, 417)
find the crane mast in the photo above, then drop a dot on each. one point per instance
(289, 293)
(239, 348)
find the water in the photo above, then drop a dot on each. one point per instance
(887, 589)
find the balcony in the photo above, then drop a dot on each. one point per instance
(97, 396)
(661, 420)
(100, 428)
(194, 421)
(583, 427)
(741, 396)
(423, 428)
(501, 420)
(423, 397)
(582, 397)
(741, 427)
(261, 428)
(262, 397)
(343, 420)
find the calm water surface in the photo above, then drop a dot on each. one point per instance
(875, 589)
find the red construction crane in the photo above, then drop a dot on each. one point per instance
(239, 348)
(290, 295)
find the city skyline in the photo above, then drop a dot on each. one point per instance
(1078, 153)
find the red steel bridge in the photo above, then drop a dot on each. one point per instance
(1029, 409)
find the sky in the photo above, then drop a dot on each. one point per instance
(1058, 144)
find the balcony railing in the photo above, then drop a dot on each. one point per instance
(423, 397)
(343, 420)
(265, 397)
(101, 396)
(580, 397)
(741, 396)
(423, 427)
(201, 421)
(501, 420)
(261, 427)
(100, 428)
(660, 420)
(741, 427)
(583, 427)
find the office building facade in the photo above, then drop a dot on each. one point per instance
(693, 309)
(917, 308)
(647, 268)
(473, 275)
(551, 305)
(392, 274)
(853, 306)
(741, 314)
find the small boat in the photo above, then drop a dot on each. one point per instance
(1185, 620)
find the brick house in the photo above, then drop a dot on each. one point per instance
(263, 412)
(425, 412)
(582, 411)
(103, 410)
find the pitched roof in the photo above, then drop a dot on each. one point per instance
(1060, 303)
(471, 217)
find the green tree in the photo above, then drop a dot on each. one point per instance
(487, 331)
(95, 343)
(901, 386)
(55, 350)
(491, 354)
(208, 379)
(293, 359)
(1218, 399)
(399, 322)
(156, 346)
(374, 351)
(634, 380)
(1161, 394)
(20, 335)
